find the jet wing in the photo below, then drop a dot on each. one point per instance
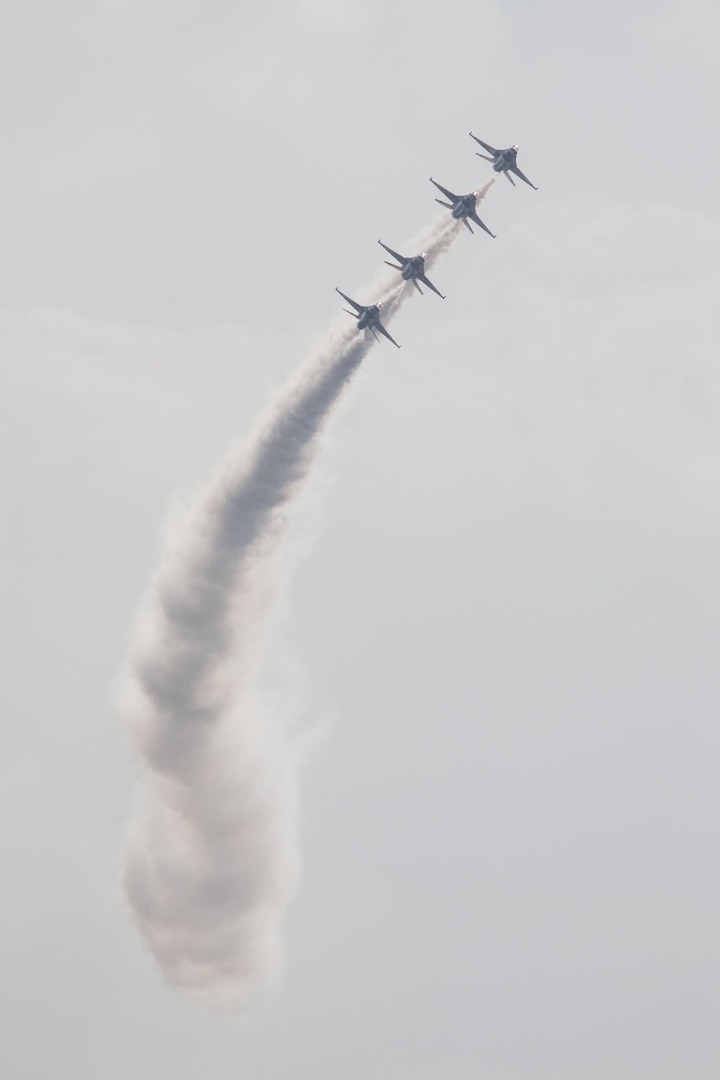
(358, 307)
(400, 258)
(379, 326)
(490, 149)
(446, 193)
(514, 169)
(476, 219)
(426, 281)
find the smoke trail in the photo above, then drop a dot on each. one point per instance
(212, 860)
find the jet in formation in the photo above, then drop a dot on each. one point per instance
(412, 268)
(503, 161)
(368, 317)
(462, 207)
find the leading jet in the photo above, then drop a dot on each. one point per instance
(503, 161)
(368, 317)
(462, 206)
(412, 268)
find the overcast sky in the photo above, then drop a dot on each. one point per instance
(498, 652)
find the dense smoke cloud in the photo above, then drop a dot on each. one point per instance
(212, 858)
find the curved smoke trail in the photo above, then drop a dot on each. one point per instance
(212, 859)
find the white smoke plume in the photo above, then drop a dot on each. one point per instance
(212, 860)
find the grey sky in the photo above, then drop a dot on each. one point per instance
(497, 653)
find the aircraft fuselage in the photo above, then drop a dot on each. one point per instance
(505, 159)
(413, 267)
(369, 317)
(465, 205)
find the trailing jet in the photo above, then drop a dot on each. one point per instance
(369, 317)
(412, 268)
(462, 206)
(503, 161)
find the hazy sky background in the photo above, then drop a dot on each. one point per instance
(499, 651)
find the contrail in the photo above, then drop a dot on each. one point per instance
(212, 860)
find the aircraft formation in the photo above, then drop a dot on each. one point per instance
(462, 208)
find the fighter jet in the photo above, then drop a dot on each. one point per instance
(503, 161)
(462, 206)
(369, 317)
(412, 268)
